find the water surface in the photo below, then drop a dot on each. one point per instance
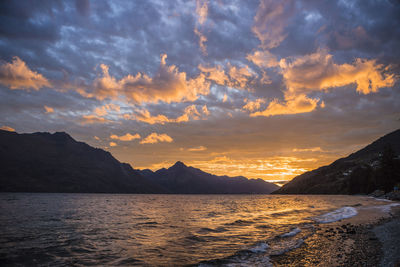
(112, 229)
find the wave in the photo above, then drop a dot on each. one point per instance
(240, 222)
(261, 247)
(210, 230)
(294, 232)
(337, 215)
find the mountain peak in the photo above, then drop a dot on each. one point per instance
(179, 164)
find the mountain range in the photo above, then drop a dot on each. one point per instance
(181, 179)
(376, 166)
(45, 162)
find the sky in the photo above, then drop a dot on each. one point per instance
(264, 89)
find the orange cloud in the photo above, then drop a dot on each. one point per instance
(113, 144)
(299, 104)
(17, 75)
(7, 128)
(190, 113)
(263, 59)
(205, 110)
(318, 71)
(253, 105)
(49, 109)
(215, 74)
(167, 85)
(312, 149)
(93, 119)
(237, 78)
(126, 137)
(154, 138)
(197, 149)
(103, 110)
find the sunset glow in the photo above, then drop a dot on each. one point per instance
(262, 89)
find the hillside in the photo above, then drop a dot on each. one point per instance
(44, 162)
(376, 166)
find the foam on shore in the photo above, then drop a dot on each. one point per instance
(337, 215)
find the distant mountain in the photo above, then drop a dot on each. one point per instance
(377, 166)
(181, 179)
(44, 162)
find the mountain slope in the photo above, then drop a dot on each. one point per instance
(44, 162)
(360, 172)
(181, 179)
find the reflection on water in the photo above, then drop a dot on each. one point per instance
(103, 229)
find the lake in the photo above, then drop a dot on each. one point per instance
(159, 230)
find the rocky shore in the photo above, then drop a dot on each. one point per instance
(351, 242)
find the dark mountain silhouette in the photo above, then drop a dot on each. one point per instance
(44, 162)
(376, 166)
(181, 179)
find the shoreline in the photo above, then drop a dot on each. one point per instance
(367, 239)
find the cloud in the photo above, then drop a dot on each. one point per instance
(215, 74)
(17, 75)
(167, 85)
(201, 13)
(205, 110)
(189, 113)
(83, 7)
(318, 71)
(103, 110)
(113, 144)
(202, 41)
(154, 138)
(197, 149)
(276, 167)
(312, 149)
(299, 104)
(7, 128)
(93, 119)
(270, 21)
(48, 109)
(237, 77)
(253, 105)
(263, 59)
(126, 137)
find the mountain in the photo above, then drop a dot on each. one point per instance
(44, 162)
(376, 166)
(181, 179)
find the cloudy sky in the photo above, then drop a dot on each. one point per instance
(265, 89)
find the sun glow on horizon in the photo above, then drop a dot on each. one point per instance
(269, 169)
